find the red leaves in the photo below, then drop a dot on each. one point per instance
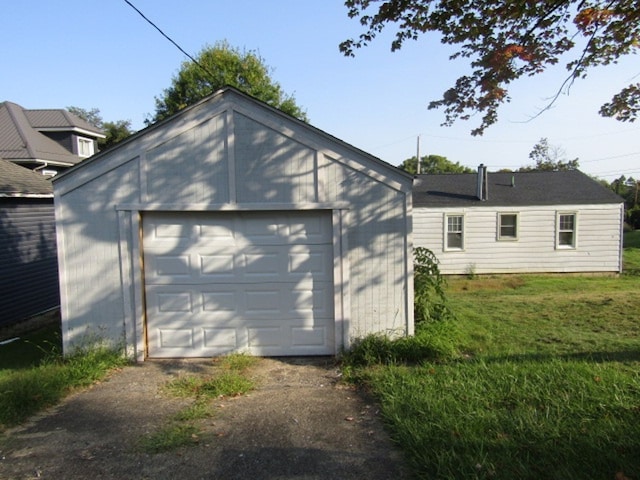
(590, 19)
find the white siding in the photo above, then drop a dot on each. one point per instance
(231, 154)
(597, 249)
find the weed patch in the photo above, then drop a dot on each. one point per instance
(24, 392)
(230, 379)
(172, 436)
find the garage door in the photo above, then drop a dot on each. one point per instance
(260, 282)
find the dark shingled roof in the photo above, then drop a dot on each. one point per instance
(20, 138)
(529, 188)
(17, 181)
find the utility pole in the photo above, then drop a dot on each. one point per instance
(418, 155)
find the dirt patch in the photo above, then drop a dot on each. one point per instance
(301, 422)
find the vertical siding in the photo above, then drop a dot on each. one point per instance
(597, 249)
(190, 167)
(377, 251)
(92, 290)
(235, 158)
(28, 264)
(271, 167)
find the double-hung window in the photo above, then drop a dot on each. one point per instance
(507, 226)
(566, 230)
(454, 238)
(85, 147)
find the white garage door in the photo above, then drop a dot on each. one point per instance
(260, 282)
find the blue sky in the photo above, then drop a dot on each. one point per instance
(98, 53)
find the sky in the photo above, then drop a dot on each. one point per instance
(102, 54)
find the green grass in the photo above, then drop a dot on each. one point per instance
(229, 379)
(631, 254)
(42, 377)
(632, 239)
(170, 437)
(31, 348)
(546, 383)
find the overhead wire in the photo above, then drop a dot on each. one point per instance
(169, 38)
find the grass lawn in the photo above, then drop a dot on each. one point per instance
(631, 257)
(546, 384)
(33, 374)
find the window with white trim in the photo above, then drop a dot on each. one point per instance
(454, 238)
(566, 230)
(85, 147)
(507, 226)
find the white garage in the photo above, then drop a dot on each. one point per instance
(250, 281)
(232, 226)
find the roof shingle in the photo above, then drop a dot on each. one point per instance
(17, 181)
(570, 187)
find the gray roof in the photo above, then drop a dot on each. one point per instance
(17, 181)
(529, 188)
(59, 120)
(21, 140)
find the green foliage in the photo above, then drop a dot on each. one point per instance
(524, 419)
(433, 164)
(32, 348)
(432, 342)
(631, 253)
(223, 384)
(505, 41)
(26, 391)
(230, 379)
(114, 131)
(217, 67)
(549, 386)
(170, 437)
(632, 240)
(430, 302)
(549, 158)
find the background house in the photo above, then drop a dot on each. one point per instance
(232, 226)
(47, 141)
(518, 222)
(28, 262)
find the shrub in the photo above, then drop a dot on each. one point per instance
(430, 302)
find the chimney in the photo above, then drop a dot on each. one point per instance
(481, 191)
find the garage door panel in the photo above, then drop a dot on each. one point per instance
(222, 282)
(218, 265)
(171, 266)
(180, 338)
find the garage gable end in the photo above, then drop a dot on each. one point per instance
(197, 231)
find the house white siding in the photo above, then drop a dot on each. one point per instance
(230, 153)
(597, 248)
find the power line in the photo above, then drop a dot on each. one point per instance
(169, 38)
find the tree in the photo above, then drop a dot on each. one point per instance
(433, 164)
(549, 158)
(506, 40)
(217, 67)
(114, 131)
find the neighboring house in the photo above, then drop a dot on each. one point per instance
(518, 222)
(232, 226)
(47, 141)
(28, 263)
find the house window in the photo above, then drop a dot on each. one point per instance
(85, 147)
(507, 226)
(455, 232)
(566, 237)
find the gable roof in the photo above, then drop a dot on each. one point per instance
(17, 181)
(220, 96)
(21, 137)
(570, 187)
